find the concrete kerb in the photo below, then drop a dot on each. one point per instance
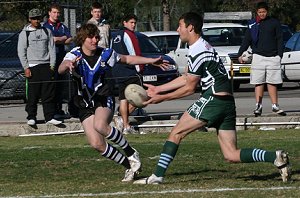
(148, 124)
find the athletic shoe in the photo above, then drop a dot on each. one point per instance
(129, 176)
(135, 162)
(31, 122)
(119, 123)
(153, 179)
(130, 130)
(258, 110)
(54, 122)
(277, 110)
(283, 164)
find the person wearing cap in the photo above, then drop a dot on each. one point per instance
(62, 37)
(36, 51)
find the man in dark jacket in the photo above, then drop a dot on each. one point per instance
(127, 43)
(264, 35)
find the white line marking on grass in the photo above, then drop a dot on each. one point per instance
(158, 192)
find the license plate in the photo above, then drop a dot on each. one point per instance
(151, 78)
(245, 70)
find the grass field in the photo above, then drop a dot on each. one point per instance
(65, 166)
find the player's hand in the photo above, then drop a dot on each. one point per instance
(152, 90)
(27, 73)
(154, 100)
(160, 62)
(72, 63)
(241, 60)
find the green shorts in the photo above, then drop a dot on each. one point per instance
(218, 111)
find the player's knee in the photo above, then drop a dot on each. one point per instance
(97, 145)
(101, 127)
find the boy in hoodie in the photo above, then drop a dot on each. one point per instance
(36, 51)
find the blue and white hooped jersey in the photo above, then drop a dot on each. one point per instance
(90, 77)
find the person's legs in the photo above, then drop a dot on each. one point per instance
(125, 108)
(47, 92)
(273, 78)
(97, 141)
(258, 78)
(178, 133)
(102, 118)
(33, 94)
(228, 144)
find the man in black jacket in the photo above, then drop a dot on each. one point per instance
(126, 42)
(264, 35)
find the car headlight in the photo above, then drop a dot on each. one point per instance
(223, 59)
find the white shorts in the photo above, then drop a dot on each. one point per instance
(265, 70)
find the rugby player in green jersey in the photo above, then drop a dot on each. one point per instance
(215, 108)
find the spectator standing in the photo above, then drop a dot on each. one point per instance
(62, 37)
(215, 108)
(126, 42)
(36, 51)
(101, 23)
(91, 68)
(264, 35)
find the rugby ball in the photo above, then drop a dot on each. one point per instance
(136, 95)
(247, 57)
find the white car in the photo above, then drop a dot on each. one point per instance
(290, 62)
(226, 38)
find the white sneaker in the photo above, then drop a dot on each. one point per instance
(31, 122)
(130, 130)
(119, 123)
(54, 122)
(283, 164)
(135, 162)
(153, 179)
(129, 176)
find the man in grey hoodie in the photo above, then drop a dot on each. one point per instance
(36, 51)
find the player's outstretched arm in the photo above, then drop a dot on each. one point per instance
(135, 60)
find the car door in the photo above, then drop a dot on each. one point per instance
(180, 56)
(290, 62)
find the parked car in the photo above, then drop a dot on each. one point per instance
(226, 38)
(165, 40)
(290, 62)
(152, 74)
(12, 79)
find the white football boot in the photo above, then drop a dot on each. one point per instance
(283, 164)
(153, 179)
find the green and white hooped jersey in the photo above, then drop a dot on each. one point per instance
(205, 62)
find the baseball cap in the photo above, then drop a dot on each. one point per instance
(35, 13)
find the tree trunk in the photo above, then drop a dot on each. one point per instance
(166, 15)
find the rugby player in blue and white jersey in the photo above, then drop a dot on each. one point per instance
(90, 66)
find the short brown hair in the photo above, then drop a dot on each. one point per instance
(87, 30)
(96, 5)
(54, 6)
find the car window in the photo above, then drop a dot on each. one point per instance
(293, 43)
(147, 46)
(8, 45)
(224, 36)
(166, 43)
